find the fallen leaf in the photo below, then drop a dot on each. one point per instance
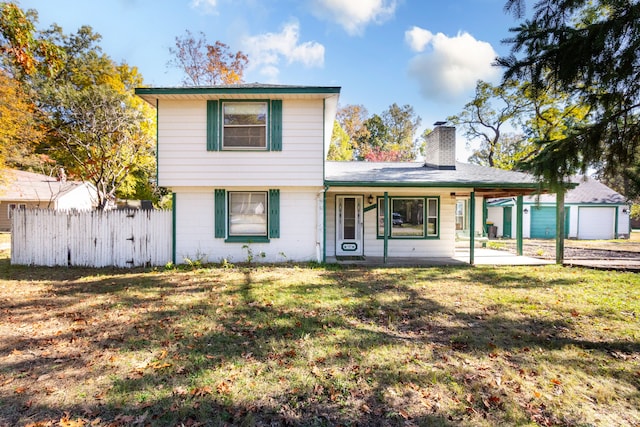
(201, 391)
(180, 391)
(223, 388)
(66, 421)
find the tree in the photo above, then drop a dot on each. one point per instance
(100, 135)
(374, 139)
(351, 119)
(483, 118)
(508, 153)
(401, 123)
(205, 64)
(340, 148)
(590, 50)
(25, 51)
(19, 129)
(380, 155)
(96, 129)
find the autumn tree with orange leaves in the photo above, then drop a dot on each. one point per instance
(204, 64)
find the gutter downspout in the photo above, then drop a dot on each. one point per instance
(321, 235)
(173, 228)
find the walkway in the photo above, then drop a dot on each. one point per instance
(482, 256)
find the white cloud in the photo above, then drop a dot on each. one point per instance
(448, 67)
(354, 15)
(418, 38)
(267, 50)
(208, 6)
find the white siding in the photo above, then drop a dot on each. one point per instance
(374, 247)
(495, 214)
(573, 221)
(299, 240)
(624, 226)
(81, 198)
(183, 159)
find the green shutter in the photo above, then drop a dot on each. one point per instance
(212, 126)
(220, 214)
(274, 214)
(276, 125)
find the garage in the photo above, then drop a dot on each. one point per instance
(596, 222)
(543, 222)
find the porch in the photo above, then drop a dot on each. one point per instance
(482, 256)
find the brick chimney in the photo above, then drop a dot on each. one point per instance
(440, 149)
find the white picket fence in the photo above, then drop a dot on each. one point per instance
(128, 238)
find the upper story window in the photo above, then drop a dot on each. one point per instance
(245, 125)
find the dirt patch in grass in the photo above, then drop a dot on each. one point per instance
(304, 345)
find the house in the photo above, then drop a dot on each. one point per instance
(592, 211)
(247, 168)
(24, 190)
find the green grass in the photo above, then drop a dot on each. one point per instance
(308, 345)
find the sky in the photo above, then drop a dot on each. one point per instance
(425, 53)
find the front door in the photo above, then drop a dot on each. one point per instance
(506, 222)
(349, 225)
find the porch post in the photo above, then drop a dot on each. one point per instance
(485, 230)
(560, 225)
(519, 225)
(472, 228)
(385, 215)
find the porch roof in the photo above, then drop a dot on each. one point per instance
(483, 180)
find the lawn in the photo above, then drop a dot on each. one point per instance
(313, 345)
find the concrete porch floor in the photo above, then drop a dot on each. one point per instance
(482, 256)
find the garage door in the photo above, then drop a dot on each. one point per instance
(543, 222)
(596, 223)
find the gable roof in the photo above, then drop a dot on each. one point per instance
(416, 174)
(588, 190)
(28, 186)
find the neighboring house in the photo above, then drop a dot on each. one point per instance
(592, 211)
(246, 166)
(25, 190)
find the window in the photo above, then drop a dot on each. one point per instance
(461, 208)
(410, 217)
(13, 206)
(247, 216)
(247, 213)
(244, 125)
